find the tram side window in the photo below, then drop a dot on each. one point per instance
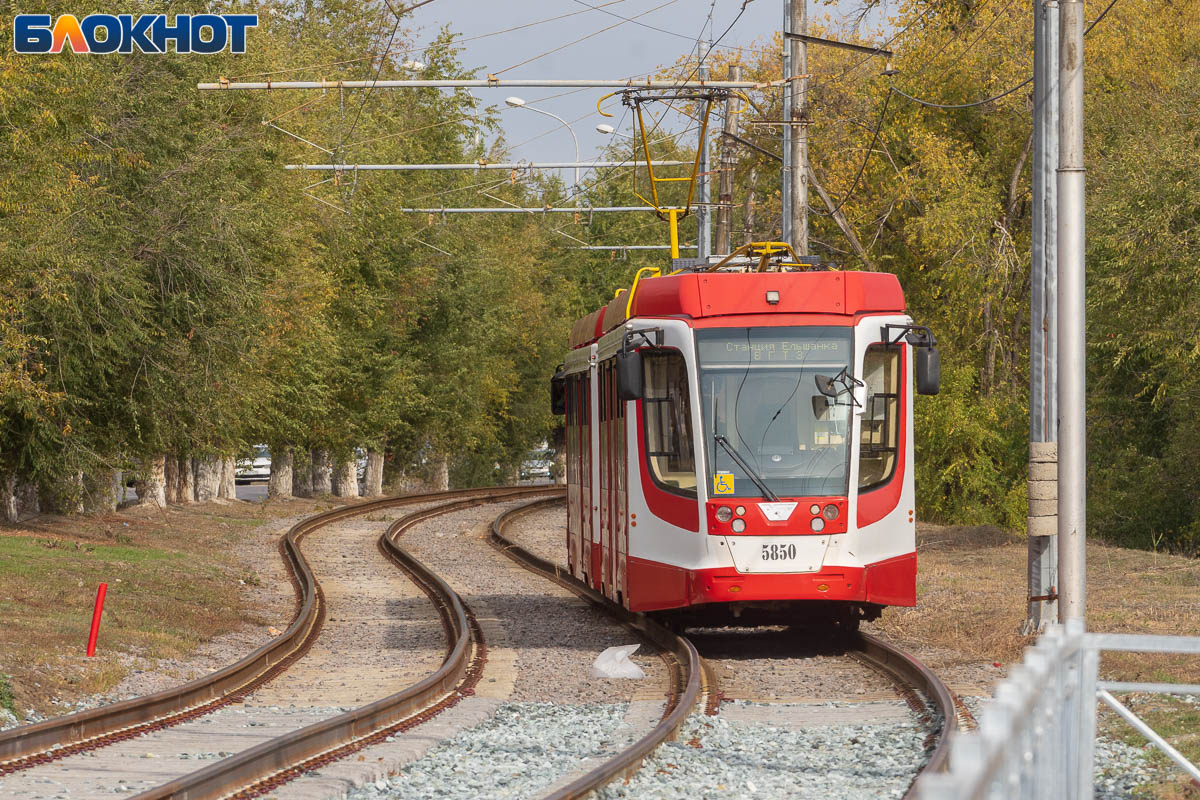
(879, 442)
(667, 409)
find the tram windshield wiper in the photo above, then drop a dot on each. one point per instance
(741, 462)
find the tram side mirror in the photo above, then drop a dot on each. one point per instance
(630, 379)
(820, 404)
(929, 369)
(558, 396)
(826, 386)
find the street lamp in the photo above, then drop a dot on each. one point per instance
(517, 102)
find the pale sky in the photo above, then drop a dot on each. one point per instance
(627, 48)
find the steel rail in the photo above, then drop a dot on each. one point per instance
(694, 674)
(906, 669)
(30, 745)
(276, 761)
(898, 665)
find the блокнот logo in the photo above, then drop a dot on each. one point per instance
(149, 33)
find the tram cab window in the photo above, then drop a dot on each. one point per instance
(879, 440)
(666, 408)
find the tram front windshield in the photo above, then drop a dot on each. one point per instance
(757, 391)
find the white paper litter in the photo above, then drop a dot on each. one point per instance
(614, 663)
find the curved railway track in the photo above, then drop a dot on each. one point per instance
(33, 745)
(913, 678)
(264, 767)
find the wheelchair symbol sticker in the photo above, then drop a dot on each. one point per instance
(723, 483)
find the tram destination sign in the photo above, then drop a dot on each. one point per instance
(781, 350)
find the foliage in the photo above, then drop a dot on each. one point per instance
(167, 287)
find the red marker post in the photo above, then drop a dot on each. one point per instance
(96, 612)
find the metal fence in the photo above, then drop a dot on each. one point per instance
(1036, 737)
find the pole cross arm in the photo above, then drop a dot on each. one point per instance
(857, 48)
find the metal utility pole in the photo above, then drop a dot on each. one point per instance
(703, 213)
(1042, 522)
(1072, 343)
(728, 162)
(797, 123)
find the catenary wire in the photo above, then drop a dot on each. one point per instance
(422, 48)
(992, 99)
(584, 37)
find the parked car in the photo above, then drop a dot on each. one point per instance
(538, 465)
(255, 468)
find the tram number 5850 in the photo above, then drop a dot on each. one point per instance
(778, 552)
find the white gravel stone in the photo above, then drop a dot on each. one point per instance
(717, 758)
(516, 753)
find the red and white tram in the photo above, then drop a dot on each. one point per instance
(740, 445)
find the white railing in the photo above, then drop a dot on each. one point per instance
(1036, 737)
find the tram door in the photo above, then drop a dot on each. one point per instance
(576, 553)
(587, 528)
(613, 532)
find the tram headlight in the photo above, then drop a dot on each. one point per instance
(739, 525)
(740, 510)
(724, 514)
(830, 512)
(817, 524)
(814, 509)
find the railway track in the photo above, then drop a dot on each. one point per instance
(916, 683)
(265, 767)
(34, 745)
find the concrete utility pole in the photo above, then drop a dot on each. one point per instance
(1042, 523)
(1072, 342)
(785, 194)
(703, 213)
(728, 162)
(798, 123)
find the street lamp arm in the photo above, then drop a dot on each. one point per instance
(574, 138)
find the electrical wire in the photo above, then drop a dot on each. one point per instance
(585, 37)
(866, 158)
(993, 98)
(423, 48)
(954, 106)
(646, 25)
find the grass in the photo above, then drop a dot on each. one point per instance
(7, 700)
(971, 588)
(1177, 721)
(174, 582)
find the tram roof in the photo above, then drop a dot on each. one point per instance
(696, 295)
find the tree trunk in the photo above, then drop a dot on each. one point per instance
(102, 492)
(208, 479)
(280, 484)
(28, 501)
(302, 484)
(373, 479)
(345, 478)
(152, 490)
(840, 218)
(171, 478)
(8, 493)
(441, 473)
(322, 482)
(558, 469)
(187, 480)
(228, 487)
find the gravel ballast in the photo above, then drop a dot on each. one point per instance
(517, 753)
